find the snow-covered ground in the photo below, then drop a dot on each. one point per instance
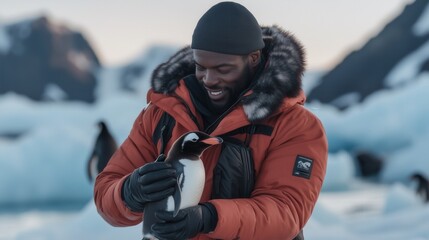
(361, 213)
(13, 223)
(46, 161)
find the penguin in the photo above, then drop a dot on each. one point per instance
(422, 186)
(370, 165)
(184, 156)
(104, 147)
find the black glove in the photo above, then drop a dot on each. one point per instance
(151, 182)
(187, 224)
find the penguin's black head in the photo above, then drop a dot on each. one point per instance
(194, 143)
(102, 125)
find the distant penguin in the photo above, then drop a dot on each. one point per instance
(184, 156)
(422, 186)
(104, 147)
(369, 163)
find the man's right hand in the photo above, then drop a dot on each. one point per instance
(151, 182)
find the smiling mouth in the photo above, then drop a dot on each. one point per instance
(215, 93)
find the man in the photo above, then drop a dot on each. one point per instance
(235, 76)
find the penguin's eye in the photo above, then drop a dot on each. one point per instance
(192, 137)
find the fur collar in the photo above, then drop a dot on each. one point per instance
(280, 79)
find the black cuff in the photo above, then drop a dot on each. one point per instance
(210, 217)
(128, 199)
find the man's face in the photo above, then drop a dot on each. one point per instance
(223, 76)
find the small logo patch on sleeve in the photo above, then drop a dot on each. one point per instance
(303, 166)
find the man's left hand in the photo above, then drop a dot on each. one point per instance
(187, 224)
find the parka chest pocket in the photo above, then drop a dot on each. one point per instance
(234, 174)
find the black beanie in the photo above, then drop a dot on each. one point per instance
(228, 28)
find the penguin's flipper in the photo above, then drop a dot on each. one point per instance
(177, 196)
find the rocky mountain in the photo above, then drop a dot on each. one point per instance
(45, 60)
(397, 55)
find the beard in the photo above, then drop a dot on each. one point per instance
(244, 80)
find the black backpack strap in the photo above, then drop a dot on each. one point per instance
(250, 130)
(163, 131)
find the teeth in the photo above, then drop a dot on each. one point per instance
(216, 93)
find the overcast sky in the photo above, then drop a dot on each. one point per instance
(121, 30)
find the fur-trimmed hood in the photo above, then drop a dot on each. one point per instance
(280, 79)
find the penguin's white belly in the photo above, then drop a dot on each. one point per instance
(193, 178)
(93, 167)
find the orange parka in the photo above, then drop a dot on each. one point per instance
(282, 201)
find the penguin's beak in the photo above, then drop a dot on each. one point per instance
(212, 141)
